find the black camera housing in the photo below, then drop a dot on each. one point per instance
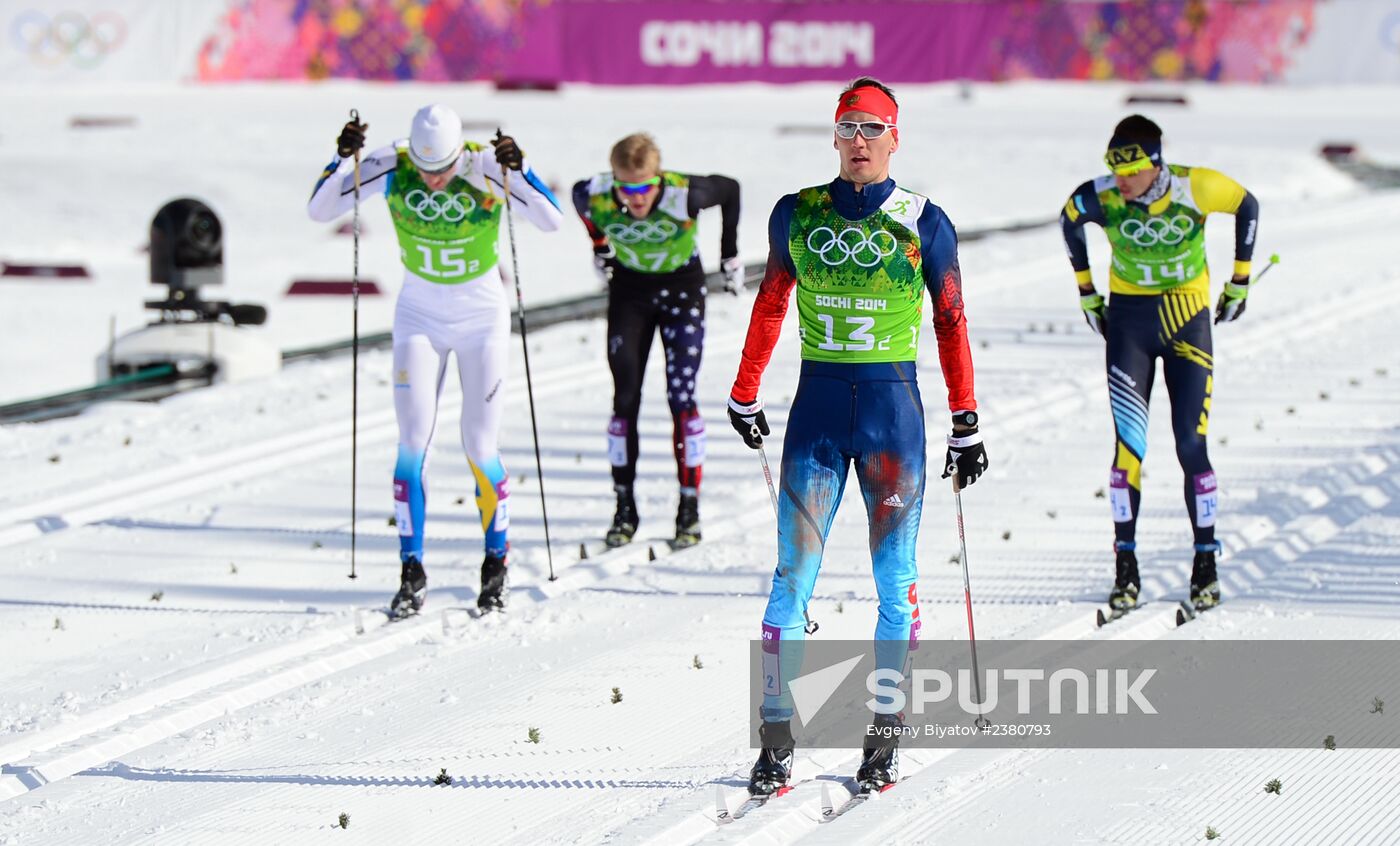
(187, 252)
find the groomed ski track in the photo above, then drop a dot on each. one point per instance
(247, 706)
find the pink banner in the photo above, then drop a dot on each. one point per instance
(665, 42)
(427, 40)
(692, 41)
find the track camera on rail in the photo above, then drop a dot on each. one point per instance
(195, 338)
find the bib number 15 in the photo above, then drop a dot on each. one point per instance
(446, 262)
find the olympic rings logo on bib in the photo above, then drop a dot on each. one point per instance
(866, 250)
(452, 208)
(651, 231)
(83, 41)
(1156, 230)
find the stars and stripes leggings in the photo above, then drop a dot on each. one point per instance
(1174, 327)
(637, 307)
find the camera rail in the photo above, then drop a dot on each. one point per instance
(160, 381)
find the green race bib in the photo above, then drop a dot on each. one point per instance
(661, 242)
(1159, 251)
(448, 236)
(860, 289)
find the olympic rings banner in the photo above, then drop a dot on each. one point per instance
(102, 40)
(659, 42)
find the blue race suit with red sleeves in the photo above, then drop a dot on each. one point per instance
(860, 262)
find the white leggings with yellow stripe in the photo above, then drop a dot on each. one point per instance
(431, 321)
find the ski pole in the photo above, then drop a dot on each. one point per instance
(767, 474)
(812, 625)
(525, 347)
(982, 722)
(1273, 260)
(355, 361)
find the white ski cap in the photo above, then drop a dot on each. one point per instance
(436, 139)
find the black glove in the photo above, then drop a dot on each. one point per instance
(966, 457)
(351, 140)
(1231, 304)
(748, 420)
(508, 154)
(605, 262)
(1095, 314)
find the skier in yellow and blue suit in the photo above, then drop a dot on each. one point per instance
(1154, 215)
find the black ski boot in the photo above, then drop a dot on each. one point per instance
(624, 524)
(1205, 587)
(493, 583)
(879, 763)
(773, 768)
(1125, 586)
(413, 584)
(687, 522)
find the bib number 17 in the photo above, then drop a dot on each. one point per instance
(653, 260)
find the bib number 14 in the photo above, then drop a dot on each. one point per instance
(1166, 274)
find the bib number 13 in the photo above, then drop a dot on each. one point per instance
(858, 334)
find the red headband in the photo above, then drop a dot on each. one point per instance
(868, 98)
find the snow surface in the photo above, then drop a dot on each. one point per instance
(253, 703)
(254, 152)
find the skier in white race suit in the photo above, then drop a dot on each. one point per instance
(446, 197)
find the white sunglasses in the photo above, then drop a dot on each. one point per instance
(868, 129)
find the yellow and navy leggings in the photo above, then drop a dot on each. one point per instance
(869, 415)
(1174, 327)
